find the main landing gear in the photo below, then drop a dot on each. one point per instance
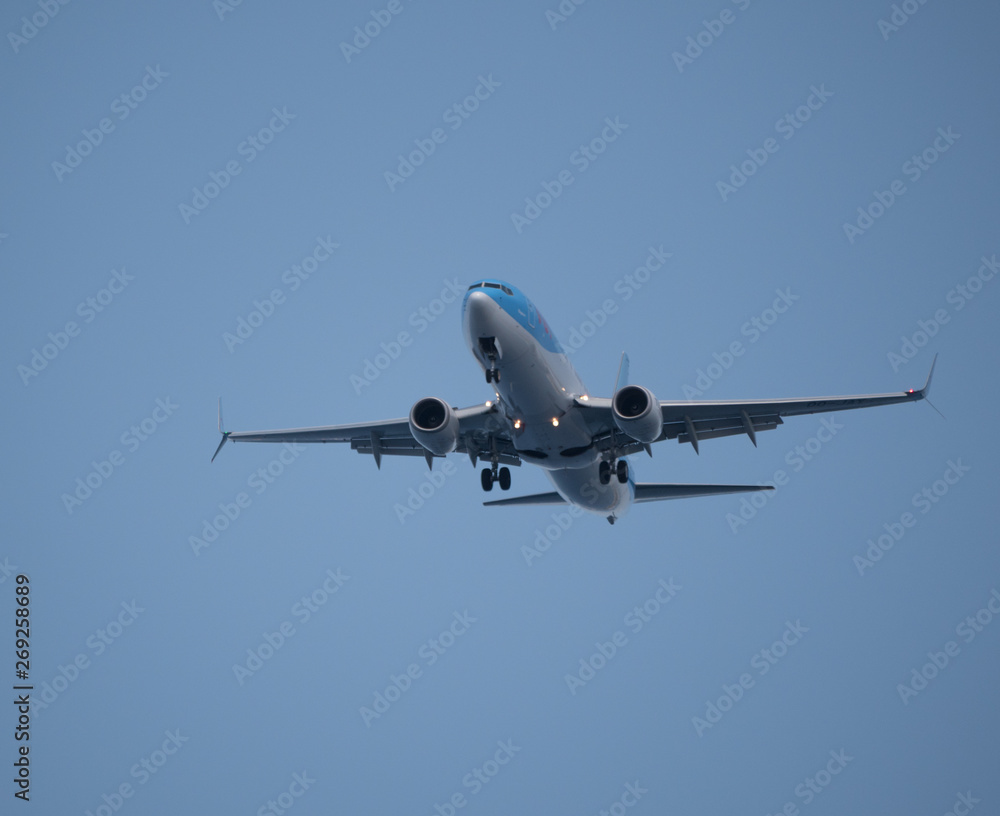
(491, 475)
(620, 470)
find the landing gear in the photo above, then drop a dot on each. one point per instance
(490, 475)
(488, 348)
(605, 469)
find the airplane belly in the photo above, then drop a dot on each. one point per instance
(566, 445)
(582, 487)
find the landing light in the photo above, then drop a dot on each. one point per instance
(517, 424)
(584, 398)
(488, 403)
(555, 422)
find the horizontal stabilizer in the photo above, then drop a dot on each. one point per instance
(662, 492)
(534, 498)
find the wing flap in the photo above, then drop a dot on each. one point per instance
(715, 428)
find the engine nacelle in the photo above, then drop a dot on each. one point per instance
(434, 425)
(637, 413)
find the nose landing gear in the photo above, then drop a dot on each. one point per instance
(488, 348)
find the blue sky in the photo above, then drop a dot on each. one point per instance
(180, 176)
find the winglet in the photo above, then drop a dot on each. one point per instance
(225, 434)
(927, 385)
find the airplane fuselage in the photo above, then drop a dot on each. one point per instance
(536, 389)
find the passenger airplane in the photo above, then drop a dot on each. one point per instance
(543, 414)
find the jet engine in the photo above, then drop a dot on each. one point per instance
(637, 413)
(434, 425)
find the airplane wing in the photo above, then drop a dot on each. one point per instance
(479, 434)
(692, 421)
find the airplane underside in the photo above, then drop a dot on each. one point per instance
(543, 415)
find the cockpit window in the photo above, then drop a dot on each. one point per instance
(505, 289)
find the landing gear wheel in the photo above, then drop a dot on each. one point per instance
(486, 477)
(622, 471)
(604, 473)
(504, 478)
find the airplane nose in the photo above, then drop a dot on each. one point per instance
(477, 310)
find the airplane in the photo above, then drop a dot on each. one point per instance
(542, 414)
